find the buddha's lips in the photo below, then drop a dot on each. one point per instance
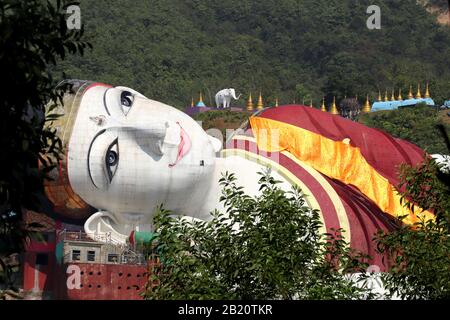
(183, 147)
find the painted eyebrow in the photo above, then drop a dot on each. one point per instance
(89, 155)
(104, 101)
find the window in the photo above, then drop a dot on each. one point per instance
(42, 259)
(114, 258)
(91, 256)
(76, 255)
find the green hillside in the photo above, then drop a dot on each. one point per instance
(294, 49)
(418, 125)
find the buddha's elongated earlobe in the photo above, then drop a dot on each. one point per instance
(103, 226)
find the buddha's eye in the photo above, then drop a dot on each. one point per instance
(126, 101)
(112, 159)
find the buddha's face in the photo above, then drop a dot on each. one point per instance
(128, 154)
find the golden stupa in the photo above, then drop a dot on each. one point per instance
(410, 94)
(366, 108)
(418, 94)
(334, 109)
(427, 92)
(322, 107)
(260, 104)
(250, 103)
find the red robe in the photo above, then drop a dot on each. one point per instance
(352, 183)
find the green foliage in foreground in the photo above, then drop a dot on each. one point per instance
(276, 253)
(33, 35)
(420, 254)
(421, 261)
(416, 124)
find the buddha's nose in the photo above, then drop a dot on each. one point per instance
(151, 137)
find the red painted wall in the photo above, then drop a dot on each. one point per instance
(44, 275)
(98, 281)
(103, 282)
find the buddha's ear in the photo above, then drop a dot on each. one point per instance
(103, 227)
(216, 143)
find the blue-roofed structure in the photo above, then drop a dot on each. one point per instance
(201, 104)
(394, 105)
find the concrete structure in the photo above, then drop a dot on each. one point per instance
(105, 271)
(39, 260)
(104, 282)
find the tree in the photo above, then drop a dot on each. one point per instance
(264, 247)
(33, 35)
(420, 254)
(171, 50)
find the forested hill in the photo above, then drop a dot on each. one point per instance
(293, 49)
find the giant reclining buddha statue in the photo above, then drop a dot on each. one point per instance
(126, 154)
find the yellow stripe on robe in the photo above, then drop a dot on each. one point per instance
(335, 159)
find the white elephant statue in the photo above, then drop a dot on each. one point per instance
(223, 97)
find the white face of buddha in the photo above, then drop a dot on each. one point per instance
(128, 154)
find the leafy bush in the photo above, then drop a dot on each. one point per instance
(33, 35)
(420, 257)
(420, 254)
(264, 247)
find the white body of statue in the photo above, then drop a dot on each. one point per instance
(128, 154)
(223, 97)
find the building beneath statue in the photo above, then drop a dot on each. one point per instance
(62, 252)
